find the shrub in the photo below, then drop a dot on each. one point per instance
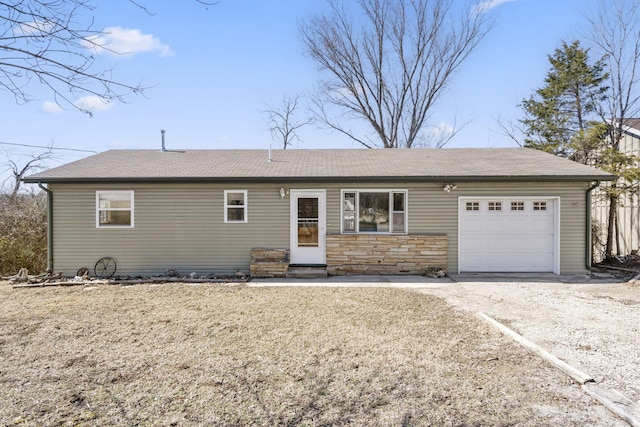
(23, 233)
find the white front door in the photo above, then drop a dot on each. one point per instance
(308, 242)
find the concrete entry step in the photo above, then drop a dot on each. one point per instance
(307, 272)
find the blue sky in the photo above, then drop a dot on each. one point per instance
(212, 72)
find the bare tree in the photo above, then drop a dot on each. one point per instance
(24, 218)
(390, 69)
(53, 43)
(614, 29)
(282, 122)
(19, 170)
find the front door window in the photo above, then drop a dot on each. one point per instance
(308, 221)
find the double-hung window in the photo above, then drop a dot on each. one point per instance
(374, 211)
(114, 209)
(235, 206)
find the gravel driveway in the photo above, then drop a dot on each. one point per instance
(593, 326)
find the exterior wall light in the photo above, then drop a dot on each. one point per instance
(449, 187)
(282, 193)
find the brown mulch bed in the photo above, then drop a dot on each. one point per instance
(180, 354)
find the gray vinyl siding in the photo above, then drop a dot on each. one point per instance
(177, 226)
(181, 226)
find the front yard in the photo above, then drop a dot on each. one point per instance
(181, 354)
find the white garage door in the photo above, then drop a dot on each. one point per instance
(508, 235)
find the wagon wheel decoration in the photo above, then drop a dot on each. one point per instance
(105, 268)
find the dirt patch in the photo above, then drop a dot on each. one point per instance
(217, 355)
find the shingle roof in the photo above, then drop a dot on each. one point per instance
(469, 164)
(632, 122)
(632, 126)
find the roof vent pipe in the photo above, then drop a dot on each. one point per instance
(269, 152)
(162, 133)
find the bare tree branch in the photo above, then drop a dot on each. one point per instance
(510, 130)
(18, 171)
(392, 70)
(615, 31)
(46, 42)
(282, 121)
(439, 136)
(148, 11)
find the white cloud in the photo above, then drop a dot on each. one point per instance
(487, 5)
(51, 107)
(124, 41)
(93, 103)
(442, 130)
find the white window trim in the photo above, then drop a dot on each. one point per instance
(98, 209)
(245, 206)
(391, 211)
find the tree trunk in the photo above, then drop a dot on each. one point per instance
(613, 207)
(16, 185)
(617, 233)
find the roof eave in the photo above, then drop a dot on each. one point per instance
(477, 178)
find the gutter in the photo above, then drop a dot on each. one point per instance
(588, 237)
(49, 227)
(322, 179)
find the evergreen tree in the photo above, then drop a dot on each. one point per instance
(576, 115)
(562, 117)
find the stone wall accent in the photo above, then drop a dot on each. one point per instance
(269, 262)
(385, 254)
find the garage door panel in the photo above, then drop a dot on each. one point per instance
(536, 263)
(474, 244)
(517, 244)
(472, 225)
(540, 244)
(494, 245)
(492, 262)
(472, 263)
(508, 240)
(523, 243)
(494, 225)
(541, 224)
(516, 224)
(519, 263)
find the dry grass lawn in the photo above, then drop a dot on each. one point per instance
(218, 355)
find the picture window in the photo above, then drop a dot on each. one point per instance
(374, 211)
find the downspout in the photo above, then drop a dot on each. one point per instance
(588, 237)
(49, 227)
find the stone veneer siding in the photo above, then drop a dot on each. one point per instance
(385, 254)
(267, 263)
